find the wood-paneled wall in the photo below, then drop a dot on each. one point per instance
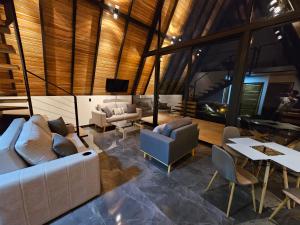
(85, 45)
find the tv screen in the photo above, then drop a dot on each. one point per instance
(116, 85)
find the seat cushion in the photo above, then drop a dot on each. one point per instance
(41, 122)
(9, 159)
(173, 125)
(58, 126)
(131, 116)
(62, 146)
(115, 118)
(34, 145)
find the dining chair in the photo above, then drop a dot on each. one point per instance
(226, 167)
(232, 132)
(290, 194)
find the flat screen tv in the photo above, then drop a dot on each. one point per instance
(116, 85)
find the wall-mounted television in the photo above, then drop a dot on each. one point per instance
(116, 85)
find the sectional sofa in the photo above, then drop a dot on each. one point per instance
(37, 194)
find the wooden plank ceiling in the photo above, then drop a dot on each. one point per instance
(77, 44)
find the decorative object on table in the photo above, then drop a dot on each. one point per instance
(182, 139)
(58, 126)
(226, 167)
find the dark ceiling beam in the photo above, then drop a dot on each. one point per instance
(162, 41)
(158, 8)
(96, 49)
(123, 40)
(74, 13)
(229, 34)
(41, 8)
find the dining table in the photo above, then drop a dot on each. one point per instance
(257, 151)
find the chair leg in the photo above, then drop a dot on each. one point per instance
(253, 197)
(230, 198)
(297, 186)
(244, 163)
(169, 168)
(259, 168)
(193, 152)
(286, 184)
(279, 207)
(211, 181)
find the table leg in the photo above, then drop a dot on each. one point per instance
(264, 189)
(286, 184)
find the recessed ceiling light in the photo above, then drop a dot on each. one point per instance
(277, 32)
(172, 42)
(198, 54)
(279, 37)
(179, 40)
(174, 37)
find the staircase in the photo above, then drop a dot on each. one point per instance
(213, 89)
(10, 103)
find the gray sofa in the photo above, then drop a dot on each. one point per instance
(168, 147)
(100, 119)
(37, 194)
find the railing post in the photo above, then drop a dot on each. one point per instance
(76, 116)
(22, 57)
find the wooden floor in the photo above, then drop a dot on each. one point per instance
(210, 132)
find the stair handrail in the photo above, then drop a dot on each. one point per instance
(69, 93)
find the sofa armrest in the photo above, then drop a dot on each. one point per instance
(40, 193)
(99, 118)
(139, 111)
(156, 145)
(70, 128)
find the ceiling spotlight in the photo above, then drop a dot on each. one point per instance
(179, 39)
(172, 42)
(273, 2)
(116, 12)
(197, 54)
(173, 37)
(200, 50)
(279, 37)
(277, 32)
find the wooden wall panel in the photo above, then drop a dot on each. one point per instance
(109, 46)
(58, 41)
(30, 30)
(144, 10)
(148, 67)
(132, 52)
(85, 44)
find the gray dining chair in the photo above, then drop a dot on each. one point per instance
(232, 132)
(226, 167)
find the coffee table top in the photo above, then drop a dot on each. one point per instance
(123, 123)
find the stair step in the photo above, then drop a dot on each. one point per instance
(4, 30)
(8, 67)
(2, 108)
(8, 93)
(12, 100)
(7, 49)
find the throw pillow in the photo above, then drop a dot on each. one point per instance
(34, 145)
(176, 124)
(98, 108)
(58, 126)
(159, 129)
(118, 111)
(42, 123)
(131, 108)
(107, 111)
(63, 146)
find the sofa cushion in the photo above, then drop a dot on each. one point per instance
(115, 118)
(107, 111)
(58, 126)
(173, 125)
(118, 111)
(159, 129)
(122, 105)
(62, 146)
(9, 159)
(131, 108)
(34, 145)
(131, 116)
(42, 123)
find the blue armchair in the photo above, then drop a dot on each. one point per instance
(168, 150)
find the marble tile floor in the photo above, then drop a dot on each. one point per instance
(136, 191)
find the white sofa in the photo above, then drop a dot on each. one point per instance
(37, 194)
(99, 118)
